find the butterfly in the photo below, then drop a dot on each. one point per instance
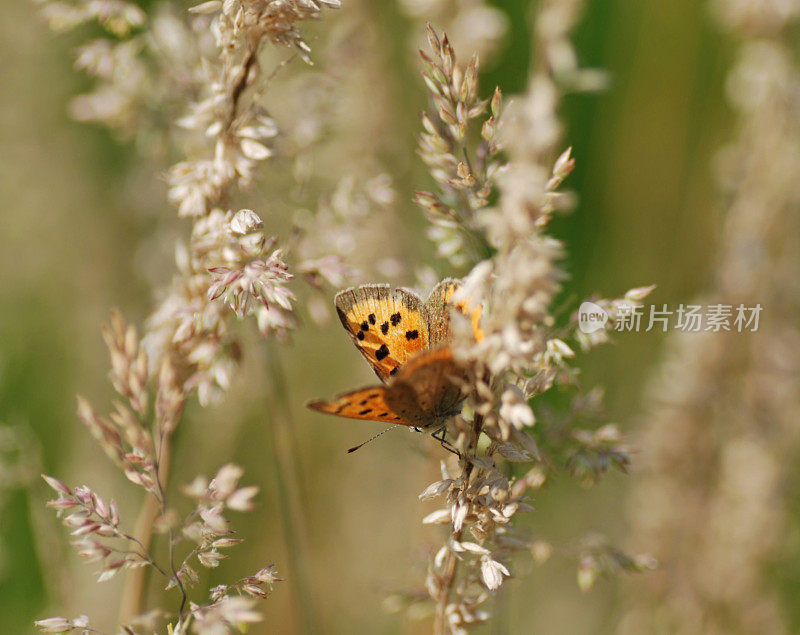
(405, 341)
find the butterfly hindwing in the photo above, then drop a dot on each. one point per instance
(388, 326)
(430, 381)
(438, 307)
(369, 404)
(439, 312)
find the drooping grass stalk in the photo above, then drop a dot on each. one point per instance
(134, 589)
(441, 626)
(283, 449)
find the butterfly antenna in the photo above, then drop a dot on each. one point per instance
(371, 439)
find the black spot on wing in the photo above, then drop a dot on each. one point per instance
(366, 411)
(384, 414)
(412, 335)
(395, 319)
(382, 352)
(385, 328)
(371, 318)
(364, 326)
(394, 370)
(360, 335)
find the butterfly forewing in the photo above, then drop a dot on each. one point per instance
(388, 326)
(364, 403)
(371, 404)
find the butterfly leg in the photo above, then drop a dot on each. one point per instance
(444, 442)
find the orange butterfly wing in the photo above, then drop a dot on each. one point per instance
(423, 394)
(438, 310)
(387, 326)
(394, 331)
(429, 385)
(369, 404)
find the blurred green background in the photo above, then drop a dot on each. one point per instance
(70, 238)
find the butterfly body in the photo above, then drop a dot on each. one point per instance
(404, 339)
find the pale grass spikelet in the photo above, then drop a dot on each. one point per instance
(224, 70)
(723, 409)
(254, 281)
(521, 351)
(229, 268)
(142, 75)
(229, 115)
(239, 128)
(122, 434)
(116, 16)
(462, 169)
(343, 238)
(214, 55)
(475, 24)
(492, 573)
(138, 450)
(143, 78)
(95, 524)
(211, 531)
(338, 237)
(63, 625)
(225, 615)
(233, 606)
